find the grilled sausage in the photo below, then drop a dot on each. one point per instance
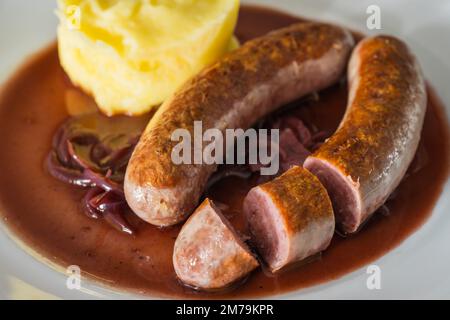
(366, 158)
(208, 254)
(246, 85)
(290, 218)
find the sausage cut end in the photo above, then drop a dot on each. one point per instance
(208, 253)
(343, 191)
(290, 218)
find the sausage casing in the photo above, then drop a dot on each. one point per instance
(366, 158)
(246, 85)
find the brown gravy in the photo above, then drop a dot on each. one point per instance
(45, 213)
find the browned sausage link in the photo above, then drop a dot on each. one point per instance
(246, 85)
(290, 218)
(365, 160)
(208, 254)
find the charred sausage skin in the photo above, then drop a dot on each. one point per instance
(244, 86)
(366, 158)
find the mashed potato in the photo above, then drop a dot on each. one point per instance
(132, 54)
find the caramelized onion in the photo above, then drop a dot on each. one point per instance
(84, 159)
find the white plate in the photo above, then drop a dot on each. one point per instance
(418, 268)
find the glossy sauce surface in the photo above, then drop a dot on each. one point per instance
(45, 213)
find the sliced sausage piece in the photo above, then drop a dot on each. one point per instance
(246, 85)
(290, 218)
(208, 254)
(367, 157)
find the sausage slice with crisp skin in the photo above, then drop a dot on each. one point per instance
(367, 157)
(246, 85)
(208, 253)
(290, 218)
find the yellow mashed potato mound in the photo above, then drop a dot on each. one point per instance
(132, 54)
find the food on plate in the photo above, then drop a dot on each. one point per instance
(249, 219)
(132, 55)
(246, 85)
(365, 160)
(208, 253)
(290, 218)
